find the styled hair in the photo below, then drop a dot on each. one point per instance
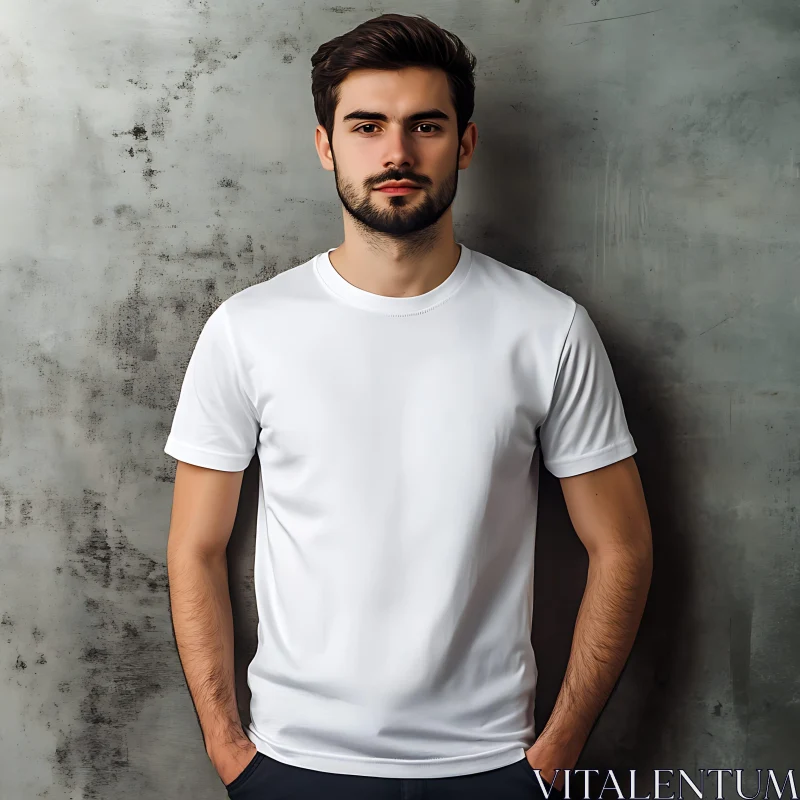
(391, 42)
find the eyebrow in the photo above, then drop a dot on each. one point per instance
(431, 113)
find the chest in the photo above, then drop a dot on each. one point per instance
(358, 403)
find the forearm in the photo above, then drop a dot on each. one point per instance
(606, 626)
(203, 624)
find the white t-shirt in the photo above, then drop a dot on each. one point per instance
(397, 502)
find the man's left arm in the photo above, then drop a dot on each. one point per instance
(608, 511)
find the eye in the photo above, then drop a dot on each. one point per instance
(372, 125)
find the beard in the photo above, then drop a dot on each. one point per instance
(405, 214)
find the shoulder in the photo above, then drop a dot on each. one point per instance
(538, 304)
(269, 298)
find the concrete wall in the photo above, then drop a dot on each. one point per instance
(156, 157)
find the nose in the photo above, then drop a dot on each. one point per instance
(399, 150)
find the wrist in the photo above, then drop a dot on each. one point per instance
(552, 747)
(231, 758)
(231, 741)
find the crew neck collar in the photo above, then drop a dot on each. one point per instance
(396, 306)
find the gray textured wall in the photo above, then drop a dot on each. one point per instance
(158, 156)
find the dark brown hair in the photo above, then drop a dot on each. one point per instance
(393, 41)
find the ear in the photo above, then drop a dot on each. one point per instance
(466, 148)
(323, 146)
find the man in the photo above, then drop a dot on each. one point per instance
(396, 389)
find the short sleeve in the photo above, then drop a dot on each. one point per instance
(215, 424)
(585, 427)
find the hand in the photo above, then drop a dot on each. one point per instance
(230, 759)
(547, 759)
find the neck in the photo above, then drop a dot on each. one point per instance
(392, 267)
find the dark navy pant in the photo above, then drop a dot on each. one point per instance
(266, 778)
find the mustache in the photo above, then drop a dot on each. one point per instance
(397, 176)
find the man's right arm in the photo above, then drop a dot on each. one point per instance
(203, 512)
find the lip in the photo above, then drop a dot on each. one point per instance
(398, 189)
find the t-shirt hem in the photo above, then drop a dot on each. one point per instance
(227, 462)
(586, 463)
(390, 767)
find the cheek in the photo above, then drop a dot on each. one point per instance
(442, 159)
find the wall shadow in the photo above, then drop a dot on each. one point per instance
(513, 213)
(241, 556)
(632, 730)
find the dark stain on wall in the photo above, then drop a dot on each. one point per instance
(219, 251)
(126, 215)
(207, 60)
(139, 133)
(134, 339)
(124, 654)
(245, 255)
(205, 53)
(288, 45)
(132, 330)
(203, 8)
(157, 127)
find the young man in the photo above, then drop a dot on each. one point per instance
(396, 389)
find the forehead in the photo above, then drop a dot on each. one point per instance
(396, 92)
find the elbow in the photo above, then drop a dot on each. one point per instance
(635, 553)
(183, 551)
